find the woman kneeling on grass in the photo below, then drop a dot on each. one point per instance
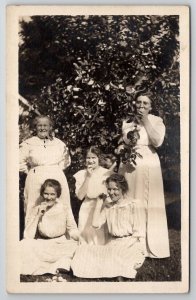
(51, 235)
(125, 252)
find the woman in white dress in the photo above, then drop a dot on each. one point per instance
(125, 251)
(145, 179)
(43, 156)
(90, 182)
(51, 235)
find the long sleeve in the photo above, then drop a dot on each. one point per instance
(23, 157)
(66, 160)
(71, 226)
(31, 226)
(157, 124)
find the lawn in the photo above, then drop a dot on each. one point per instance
(167, 269)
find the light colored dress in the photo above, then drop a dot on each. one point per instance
(124, 253)
(96, 187)
(53, 249)
(146, 183)
(43, 159)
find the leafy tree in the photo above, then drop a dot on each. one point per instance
(85, 71)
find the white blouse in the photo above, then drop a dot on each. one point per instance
(43, 152)
(157, 124)
(96, 185)
(124, 219)
(54, 223)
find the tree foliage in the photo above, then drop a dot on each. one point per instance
(85, 71)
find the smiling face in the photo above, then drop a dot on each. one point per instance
(92, 160)
(43, 128)
(143, 105)
(49, 195)
(114, 191)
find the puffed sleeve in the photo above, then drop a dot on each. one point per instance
(66, 160)
(79, 177)
(139, 218)
(159, 126)
(23, 157)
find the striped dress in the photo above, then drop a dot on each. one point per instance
(124, 253)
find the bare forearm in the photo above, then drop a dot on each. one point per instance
(83, 190)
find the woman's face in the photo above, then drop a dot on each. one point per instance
(143, 105)
(114, 191)
(49, 195)
(43, 128)
(92, 160)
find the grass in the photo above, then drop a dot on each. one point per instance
(165, 269)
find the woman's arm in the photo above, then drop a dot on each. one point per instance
(23, 157)
(71, 226)
(32, 223)
(99, 215)
(153, 132)
(82, 191)
(66, 159)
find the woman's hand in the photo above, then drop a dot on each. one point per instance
(90, 171)
(75, 236)
(102, 197)
(43, 208)
(143, 118)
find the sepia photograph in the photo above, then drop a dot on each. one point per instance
(97, 133)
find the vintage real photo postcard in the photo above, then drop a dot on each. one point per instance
(98, 149)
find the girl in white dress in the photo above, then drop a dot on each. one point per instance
(145, 179)
(125, 251)
(43, 156)
(51, 236)
(90, 182)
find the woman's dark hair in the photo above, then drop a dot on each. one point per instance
(96, 151)
(147, 94)
(120, 182)
(51, 183)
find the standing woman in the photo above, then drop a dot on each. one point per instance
(90, 183)
(43, 156)
(145, 179)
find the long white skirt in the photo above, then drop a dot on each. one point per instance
(119, 257)
(46, 256)
(146, 184)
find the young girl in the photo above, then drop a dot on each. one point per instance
(46, 246)
(89, 184)
(125, 252)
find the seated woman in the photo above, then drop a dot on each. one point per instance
(51, 236)
(125, 252)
